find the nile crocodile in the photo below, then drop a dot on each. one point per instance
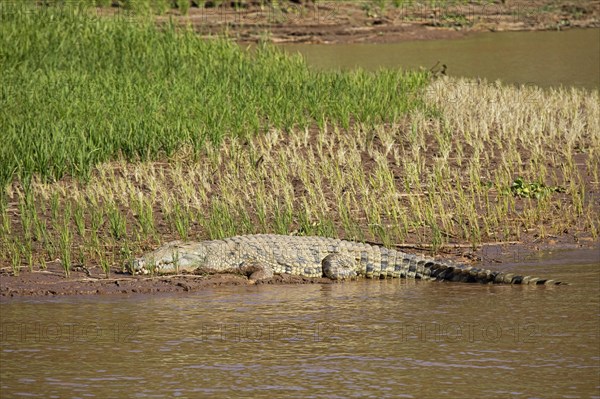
(261, 256)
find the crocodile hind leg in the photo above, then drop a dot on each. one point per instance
(256, 270)
(338, 267)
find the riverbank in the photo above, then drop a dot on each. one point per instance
(83, 281)
(129, 150)
(445, 185)
(376, 21)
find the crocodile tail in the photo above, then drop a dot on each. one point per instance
(436, 270)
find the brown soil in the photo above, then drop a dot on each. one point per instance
(360, 21)
(332, 22)
(52, 281)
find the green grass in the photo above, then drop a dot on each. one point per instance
(78, 89)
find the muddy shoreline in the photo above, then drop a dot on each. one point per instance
(93, 281)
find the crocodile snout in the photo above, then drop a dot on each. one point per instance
(138, 266)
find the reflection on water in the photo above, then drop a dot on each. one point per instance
(549, 58)
(370, 338)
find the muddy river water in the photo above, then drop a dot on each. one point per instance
(546, 58)
(380, 339)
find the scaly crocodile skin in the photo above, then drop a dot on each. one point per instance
(261, 256)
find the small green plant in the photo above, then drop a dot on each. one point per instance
(26, 210)
(78, 215)
(15, 258)
(54, 205)
(81, 257)
(183, 6)
(42, 261)
(116, 222)
(65, 242)
(161, 7)
(96, 219)
(536, 190)
(104, 264)
(145, 216)
(39, 228)
(437, 238)
(28, 253)
(221, 222)
(282, 219)
(5, 226)
(181, 220)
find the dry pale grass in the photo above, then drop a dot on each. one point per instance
(436, 177)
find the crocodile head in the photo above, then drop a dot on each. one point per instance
(170, 258)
